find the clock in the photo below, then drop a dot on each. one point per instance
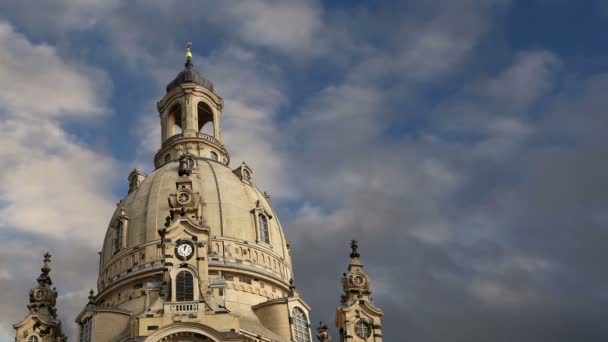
(183, 198)
(39, 294)
(358, 280)
(184, 250)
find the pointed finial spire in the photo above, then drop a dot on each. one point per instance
(354, 245)
(292, 287)
(44, 278)
(47, 259)
(189, 55)
(91, 297)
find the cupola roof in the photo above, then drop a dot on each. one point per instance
(189, 75)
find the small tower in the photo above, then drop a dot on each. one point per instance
(41, 324)
(357, 317)
(135, 178)
(190, 117)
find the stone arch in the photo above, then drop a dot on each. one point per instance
(205, 115)
(178, 332)
(173, 120)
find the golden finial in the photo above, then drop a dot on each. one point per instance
(188, 53)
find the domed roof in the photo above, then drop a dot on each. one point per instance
(189, 74)
(228, 205)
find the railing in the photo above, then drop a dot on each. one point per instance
(203, 136)
(172, 139)
(209, 139)
(182, 307)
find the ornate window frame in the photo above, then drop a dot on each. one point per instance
(119, 232)
(300, 326)
(259, 214)
(195, 290)
(244, 172)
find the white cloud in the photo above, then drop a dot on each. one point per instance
(50, 183)
(293, 27)
(37, 82)
(53, 187)
(530, 76)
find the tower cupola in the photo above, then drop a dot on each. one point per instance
(189, 75)
(190, 115)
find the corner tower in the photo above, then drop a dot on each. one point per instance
(357, 317)
(195, 251)
(41, 324)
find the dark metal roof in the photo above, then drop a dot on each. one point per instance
(189, 74)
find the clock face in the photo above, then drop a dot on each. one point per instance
(183, 198)
(39, 294)
(184, 250)
(358, 280)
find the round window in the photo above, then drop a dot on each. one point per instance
(363, 329)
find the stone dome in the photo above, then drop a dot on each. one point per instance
(228, 205)
(195, 247)
(189, 74)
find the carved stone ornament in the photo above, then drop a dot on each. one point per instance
(186, 165)
(322, 333)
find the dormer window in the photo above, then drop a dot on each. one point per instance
(261, 218)
(244, 172)
(246, 175)
(135, 179)
(119, 232)
(118, 237)
(263, 227)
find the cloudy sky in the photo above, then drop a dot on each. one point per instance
(461, 141)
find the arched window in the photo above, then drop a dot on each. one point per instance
(184, 287)
(263, 223)
(167, 158)
(246, 174)
(118, 237)
(85, 330)
(362, 329)
(300, 325)
(33, 338)
(205, 116)
(213, 155)
(174, 121)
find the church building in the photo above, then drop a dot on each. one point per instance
(195, 252)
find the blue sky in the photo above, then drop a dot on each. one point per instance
(462, 142)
